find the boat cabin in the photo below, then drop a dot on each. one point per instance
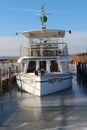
(29, 65)
(44, 43)
(46, 51)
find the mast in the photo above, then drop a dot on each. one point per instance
(43, 18)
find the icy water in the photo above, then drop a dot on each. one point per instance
(65, 110)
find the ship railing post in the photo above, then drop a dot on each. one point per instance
(9, 77)
(16, 69)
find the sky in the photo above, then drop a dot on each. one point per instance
(21, 15)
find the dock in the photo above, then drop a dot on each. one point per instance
(7, 76)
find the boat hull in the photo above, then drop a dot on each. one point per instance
(44, 85)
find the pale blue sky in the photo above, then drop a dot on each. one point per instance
(20, 15)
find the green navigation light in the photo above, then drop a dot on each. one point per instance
(43, 19)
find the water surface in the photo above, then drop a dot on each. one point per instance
(65, 110)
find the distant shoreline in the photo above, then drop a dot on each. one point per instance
(8, 59)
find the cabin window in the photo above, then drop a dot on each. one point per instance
(33, 53)
(43, 65)
(31, 66)
(54, 53)
(54, 66)
(49, 53)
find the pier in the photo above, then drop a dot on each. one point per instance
(81, 68)
(82, 72)
(80, 61)
(7, 76)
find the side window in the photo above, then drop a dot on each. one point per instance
(31, 66)
(43, 65)
(54, 66)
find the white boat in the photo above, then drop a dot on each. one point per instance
(44, 61)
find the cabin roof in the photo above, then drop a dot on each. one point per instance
(60, 59)
(44, 33)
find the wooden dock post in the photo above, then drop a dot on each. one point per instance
(82, 71)
(78, 68)
(0, 80)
